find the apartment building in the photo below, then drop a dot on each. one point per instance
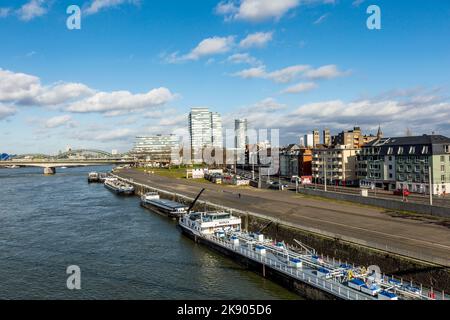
(406, 163)
(336, 164)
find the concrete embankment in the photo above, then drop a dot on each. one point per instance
(429, 274)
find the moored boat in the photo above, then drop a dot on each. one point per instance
(118, 186)
(165, 207)
(93, 177)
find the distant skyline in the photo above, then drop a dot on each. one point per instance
(137, 67)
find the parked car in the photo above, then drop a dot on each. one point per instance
(402, 192)
(277, 186)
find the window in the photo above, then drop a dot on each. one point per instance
(442, 168)
(447, 148)
(412, 150)
(390, 175)
(390, 158)
(442, 159)
(400, 150)
(390, 149)
(390, 167)
(424, 149)
(443, 177)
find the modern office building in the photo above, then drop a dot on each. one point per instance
(308, 140)
(240, 133)
(216, 130)
(205, 129)
(326, 137)
(406, 163)
(337, 165)
(156, 148)
(316, 138)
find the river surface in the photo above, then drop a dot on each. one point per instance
(124, 251)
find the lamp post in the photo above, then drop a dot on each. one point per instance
(325, 161)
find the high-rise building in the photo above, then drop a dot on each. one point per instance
(205, 129)
(326, 137)
(240, 131)
(308, 140)
(316, 138)
(216, 130)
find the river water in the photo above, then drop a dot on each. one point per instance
(124, 251)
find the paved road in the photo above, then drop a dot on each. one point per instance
(378, 193)
(371, 226)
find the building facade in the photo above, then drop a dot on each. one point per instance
(205, 130)
(240, 133)
(326, 137)
(216, 130)
(156, 148)
(337, 165)
(316, 138)
(295, 161)
(354, 138)
(407, 163)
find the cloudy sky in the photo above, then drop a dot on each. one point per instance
(136, 67)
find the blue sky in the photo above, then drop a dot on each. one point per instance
(136, 68)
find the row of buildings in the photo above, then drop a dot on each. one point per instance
(351, 158)
(205, 131)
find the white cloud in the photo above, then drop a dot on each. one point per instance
(357, 3)
(256, 72)
(321, 18)
(255, 10)
(258, 39)
(206, 47)
(287, 74)
(6, 111)
(98, 5)
(246, 58)
(122, 101)
(282, 75)
(21, 89)
(300, 87)
(24, 89)
(104, 135)
(4, 12)
(32, 9)
(57, 121)
(326, 72)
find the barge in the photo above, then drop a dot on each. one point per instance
(298, 268)
(172, 209)
(118, 186)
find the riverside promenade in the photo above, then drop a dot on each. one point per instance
(421, 239)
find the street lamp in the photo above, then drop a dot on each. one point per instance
(325, 162)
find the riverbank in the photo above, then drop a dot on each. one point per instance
(357, 234)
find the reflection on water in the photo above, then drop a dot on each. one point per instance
(124, 251)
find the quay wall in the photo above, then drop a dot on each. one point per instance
(383, 203)
(436, 275)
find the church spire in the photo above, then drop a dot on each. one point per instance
(379, 132)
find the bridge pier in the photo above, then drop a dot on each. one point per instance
(49, 170)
